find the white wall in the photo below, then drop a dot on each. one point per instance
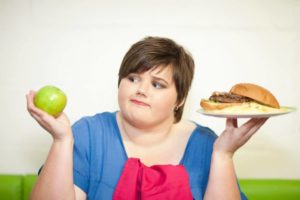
(78, 46)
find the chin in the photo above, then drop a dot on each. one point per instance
(138, 119)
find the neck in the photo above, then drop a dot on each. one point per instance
(145, 136)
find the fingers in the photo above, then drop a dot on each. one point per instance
(58, 127)
(255, 126)
(234, 137)
(40, 116)
(29, 98)
(231, 123)
(248, 128)
(31, 107)
(254, 123)
(251, 127)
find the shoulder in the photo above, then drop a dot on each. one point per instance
(93, 124)
(198, 151)
(203, 131)
(97, 119)
(196, 132)
(202, 139)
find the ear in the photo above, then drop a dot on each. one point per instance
(179, 104)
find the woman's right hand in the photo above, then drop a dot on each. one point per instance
(59, 128)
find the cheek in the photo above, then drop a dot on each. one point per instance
(122, 93)
(125, 91)
(166, 102)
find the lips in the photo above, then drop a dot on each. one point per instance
(140, 103)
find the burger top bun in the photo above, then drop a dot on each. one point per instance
(256, 93)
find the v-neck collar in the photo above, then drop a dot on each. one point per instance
(124, 150)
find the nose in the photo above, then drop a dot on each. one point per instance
(142, 88)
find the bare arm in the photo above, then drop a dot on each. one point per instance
(79, 193)
(56, 178)
(222, 183)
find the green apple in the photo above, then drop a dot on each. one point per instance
(51, 100)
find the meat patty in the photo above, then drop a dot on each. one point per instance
(226, 97)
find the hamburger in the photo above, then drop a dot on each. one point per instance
(243, 98)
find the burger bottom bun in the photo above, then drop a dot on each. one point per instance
(236, 108)
(211, 105)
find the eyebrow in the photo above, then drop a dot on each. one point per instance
(160, 79)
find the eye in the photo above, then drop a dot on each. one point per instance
(158, 85)
(133, 78)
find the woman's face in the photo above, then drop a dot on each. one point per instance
(148, 98)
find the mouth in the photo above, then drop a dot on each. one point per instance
(139, 103)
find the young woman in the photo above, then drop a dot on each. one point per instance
(144, 150)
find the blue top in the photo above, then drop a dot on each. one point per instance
(99, 156)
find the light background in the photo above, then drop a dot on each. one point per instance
(78, 45)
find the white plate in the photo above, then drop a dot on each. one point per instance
(283, 110)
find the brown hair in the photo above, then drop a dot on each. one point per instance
(152, 52)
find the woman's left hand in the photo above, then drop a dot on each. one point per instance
(233, 137)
